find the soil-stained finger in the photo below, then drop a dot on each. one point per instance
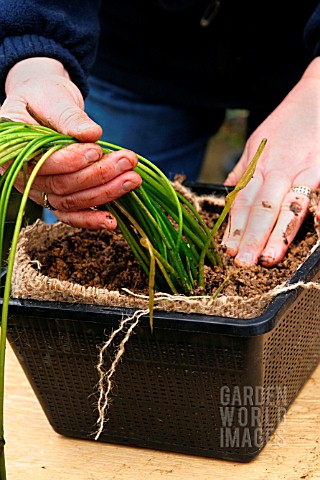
(292, 214)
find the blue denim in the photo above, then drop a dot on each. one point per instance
(174, 138)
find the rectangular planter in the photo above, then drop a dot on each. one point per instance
(199, 384)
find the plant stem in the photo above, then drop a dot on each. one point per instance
(6, 297)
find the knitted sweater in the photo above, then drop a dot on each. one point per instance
(249, 56)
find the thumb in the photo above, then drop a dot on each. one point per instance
(64, 116)
(68, 118)
(63, 110)
(48, 98)
(235, 174)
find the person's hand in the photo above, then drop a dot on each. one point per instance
(267, 213)
(77, 177)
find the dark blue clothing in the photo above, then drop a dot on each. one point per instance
(250, 55)
(61, 29)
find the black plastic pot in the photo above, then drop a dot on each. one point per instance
(203, 385)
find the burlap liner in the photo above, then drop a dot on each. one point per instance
(29, 283)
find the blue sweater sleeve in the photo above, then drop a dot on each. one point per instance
(65, 30)
(312, 33)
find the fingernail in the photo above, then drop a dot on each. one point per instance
(92, 155)
(231, 246)
(83, 127)
(108, 226)
(124, 164)
(246, 259)
(109, 222)
(232, 252)
(127, 186)
(268, 256)
(270, 253)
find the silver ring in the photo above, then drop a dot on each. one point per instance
(46, 203)
(302, 189)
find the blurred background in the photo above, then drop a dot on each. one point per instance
(224, 148)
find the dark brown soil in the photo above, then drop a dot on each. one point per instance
(104, 260)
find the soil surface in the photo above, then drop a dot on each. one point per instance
(104, 260)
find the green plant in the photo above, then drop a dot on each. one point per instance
(165, 232)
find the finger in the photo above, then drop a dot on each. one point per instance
(263, 216)
(86, 218)
(71, 159)
(239, 215)
(294, 209)
(67, 160)
(92, 219)
(293, 212)
(240, 167)
(99, 173)
(235, 175)
(91, 197)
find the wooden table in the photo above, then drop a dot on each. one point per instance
(34, 451)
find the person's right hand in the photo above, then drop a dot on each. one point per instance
(77, 177)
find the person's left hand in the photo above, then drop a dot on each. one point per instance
(267, 213)
(78, 178)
